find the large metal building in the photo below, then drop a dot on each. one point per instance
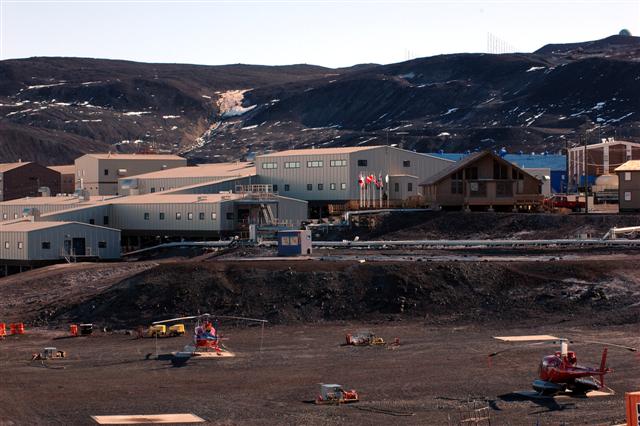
(179, 177)
(99, 173)
(332, 175)
(32, 243)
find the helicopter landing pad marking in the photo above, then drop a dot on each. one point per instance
(526, 338)
(223, 354)
(147, 419)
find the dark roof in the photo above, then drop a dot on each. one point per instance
(555, 162)
(455, 167)
(464, 163)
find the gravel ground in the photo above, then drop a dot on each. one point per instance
(436, 374)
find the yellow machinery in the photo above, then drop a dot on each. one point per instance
(160, 330)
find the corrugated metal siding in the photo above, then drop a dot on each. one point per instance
(132, 217)
(32, 242)
(215, 188)
(380, 161)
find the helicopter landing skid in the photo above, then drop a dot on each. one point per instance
(566, 394)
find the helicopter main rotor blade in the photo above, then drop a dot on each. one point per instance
(614, 345)
(517, 347)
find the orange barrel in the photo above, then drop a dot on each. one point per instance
(73, 328)
(20, 328)
(12, 329)
(633, 408)
(3, 329)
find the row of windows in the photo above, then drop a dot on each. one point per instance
(319, 163)
(5, 216)
(343, 187)
(332, 187)
(162, 216)
(46, 245)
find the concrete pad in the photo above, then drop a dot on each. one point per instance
(136, 419)
(223, 354)
(532, 337)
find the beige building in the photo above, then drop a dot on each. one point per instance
(331, 175)
(179, 177)
(67, 178)
(629, 186)
(99, 173)
(483, 181)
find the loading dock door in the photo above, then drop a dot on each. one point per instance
(79, 247)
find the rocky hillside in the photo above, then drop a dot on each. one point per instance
(52, 109)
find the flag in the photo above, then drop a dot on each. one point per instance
(369, 179)
(379, 182)
(360, 180)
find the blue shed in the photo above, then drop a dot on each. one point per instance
(294, 242)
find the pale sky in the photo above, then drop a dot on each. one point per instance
(323, 32)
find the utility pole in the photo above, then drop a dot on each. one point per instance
(586, 177)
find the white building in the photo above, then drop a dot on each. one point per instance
(331, 175)
(28, 242)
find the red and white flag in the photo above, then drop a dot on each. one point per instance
(360, 180)
(370, 178)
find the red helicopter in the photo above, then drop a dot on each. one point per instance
(560, 372)
(206, 338)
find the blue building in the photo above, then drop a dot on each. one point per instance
(556, 163)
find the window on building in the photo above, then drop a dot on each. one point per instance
(627, 196)
(292, 165)
(332, 186)
(406, 163)
(178, 216)
(229, 215)
(201, 216)
(92, 221)
(161, 188)
(313, 164)
(153, 189)
(627, 175)
(106, 172)
(20, 245)
(147, 216)
(338, 163)
(499, 170)
(320, 187)
(6, 244)
(309, 187)
(409, 186)
(189, 216)
(396, 187)
(4, 216)
(275, 188)
(214, 216)
(286, 187)
(456, 186)
(161, 215)
(105, 220)
(102, 244)
(343, 186)
(269, 165)
(15, 215)
(46, 245)
(362, 163)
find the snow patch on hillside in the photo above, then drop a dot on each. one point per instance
(230, 103)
